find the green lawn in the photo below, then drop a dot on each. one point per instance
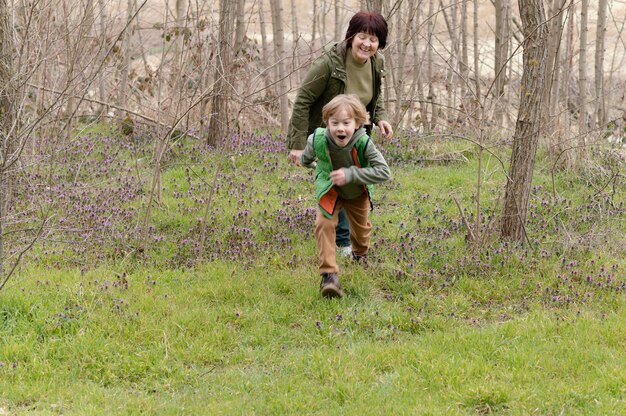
(433, 326)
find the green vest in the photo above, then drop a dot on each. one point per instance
(325, 192)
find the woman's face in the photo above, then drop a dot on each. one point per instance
(364, 46)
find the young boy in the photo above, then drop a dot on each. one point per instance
(347, 166)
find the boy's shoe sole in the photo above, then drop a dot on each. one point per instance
(330, 286)
(331, 291)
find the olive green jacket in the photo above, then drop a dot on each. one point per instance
(326, 79)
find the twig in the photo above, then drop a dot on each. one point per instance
(19, 256)
(470, 233)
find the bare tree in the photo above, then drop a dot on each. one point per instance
(601, 116)
(454, 53)
(557, 8)
(279, 42)
(313, 26)
(432, 95)
(418, 85)
(8, 94)
(240, 26)
(404, 28)
(527, 128)
(476, 50)
(295, 35)
(219, 119)
(464, 67)
(102, 51)
(321, 21)
(178, 65)
(374, 5)
(337, 14)
(264, 42)
(501, 53)
(582, 74)
(569, 53)
(181, 29)
(126, 51)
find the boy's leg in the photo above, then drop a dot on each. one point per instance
(325, 236)
(357, 211)
(343, 230)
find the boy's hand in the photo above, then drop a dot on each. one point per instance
(295, 156)
(338, 177)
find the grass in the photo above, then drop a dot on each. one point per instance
(220, 340)
(430, 327)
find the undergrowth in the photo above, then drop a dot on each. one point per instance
(211, 305)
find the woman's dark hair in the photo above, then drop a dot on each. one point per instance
(368, 22)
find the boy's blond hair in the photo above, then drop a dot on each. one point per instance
(349, 102)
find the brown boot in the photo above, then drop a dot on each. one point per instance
(330, 286)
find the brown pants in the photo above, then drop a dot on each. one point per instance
(357, 211)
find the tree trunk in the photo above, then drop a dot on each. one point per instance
(102, 94)
(404, 35)
(240, 26)
(7, 108)
(464, 62)
(527, 128)
(568, 68)
(476, 49)
(503, 35)
(122, 95)
(297, 69)
(601, 117)
(279, 42)
(314, 24)
(569, 54)
(374, 5)
(264, 43)
(418, 86)
(582, 75)
(554, 58)
(431, 98)
(177, 75)
(453, 59)
(219, 119)
(337, 35)
(615, 65)
(322, 23)
(71, 59)
(181, 24)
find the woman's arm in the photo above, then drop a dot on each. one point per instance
(311, 89)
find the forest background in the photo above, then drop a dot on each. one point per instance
(143, 174)
(206, 69)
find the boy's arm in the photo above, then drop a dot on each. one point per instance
(377, 172)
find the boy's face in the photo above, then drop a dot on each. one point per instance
(341, 127)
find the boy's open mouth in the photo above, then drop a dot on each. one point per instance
(341, 137)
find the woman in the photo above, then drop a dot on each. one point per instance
(353, 66)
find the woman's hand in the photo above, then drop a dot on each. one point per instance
(295, 156)
(385, 129)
